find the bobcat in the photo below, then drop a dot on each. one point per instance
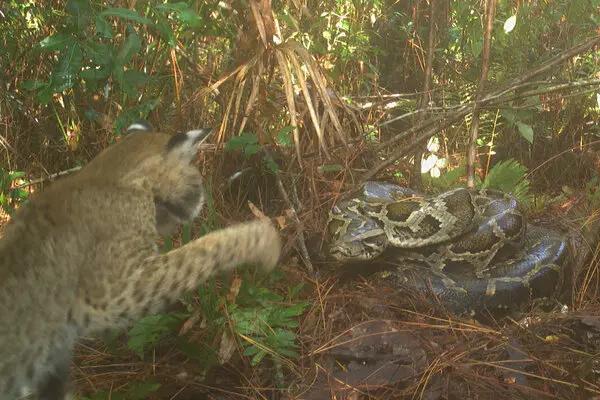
(81, 258)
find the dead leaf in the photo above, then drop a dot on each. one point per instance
(255, 211)
(227, 348)
(281, 221)
(234, 289)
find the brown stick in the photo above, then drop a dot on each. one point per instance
(425, 97)
(490, 9)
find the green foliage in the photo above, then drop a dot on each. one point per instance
(99, 50)
(509, 176)
(592, 190)
(149, 331)
(330, 168)
(450, 179)
(516, 119)
(265, 322)
(134, 391)
(284, 137)
(248, 144)
(11, 194)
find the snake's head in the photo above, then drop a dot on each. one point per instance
(353, 237)
(356, 250)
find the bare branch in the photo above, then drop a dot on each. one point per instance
(490, 9)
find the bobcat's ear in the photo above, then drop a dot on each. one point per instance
(140, 126)
(185, 145)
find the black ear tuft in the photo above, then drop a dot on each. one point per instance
(188, 141)
(176, 140)
(140, 126)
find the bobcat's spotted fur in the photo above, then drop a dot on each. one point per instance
(81, 257)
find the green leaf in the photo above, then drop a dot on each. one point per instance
(33, 85)
(258, 357)
(509, 176)
(251, 350)
(80, 11)
(510, 116)
(283, 136)
(148, 331)
(132, 80)
(476, 47)
(65, 74)
(130, 47)
(294, 291)
(103, 28)
(94, 74)
(330, 168)
(242, 141)
(525, 130)
(251, 149)
(271, 165)
(55, 42)
(44, 95)
(15, 175)
(164, 28)
(99, 53)
(140, 390)
(184, 13)
(125, 13)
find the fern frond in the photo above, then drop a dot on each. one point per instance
(509, 176)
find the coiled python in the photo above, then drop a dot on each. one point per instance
(472, 248)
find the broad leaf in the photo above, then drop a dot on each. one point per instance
(103, 28)
(284, 137)
(526, 131)
(55, 42)
(130, 47)
(125, 13)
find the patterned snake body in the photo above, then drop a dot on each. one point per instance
(473, 249)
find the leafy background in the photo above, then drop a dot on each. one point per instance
(300, 94)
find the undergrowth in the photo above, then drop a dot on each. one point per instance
(242, 313)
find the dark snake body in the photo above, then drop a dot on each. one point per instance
(473, 249)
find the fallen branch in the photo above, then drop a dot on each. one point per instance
(300, 239)
(498, 93)
(50, 177)
(497, 96)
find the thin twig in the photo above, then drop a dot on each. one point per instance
(485, 67)
(7, 145)
(498, 93)
(299, 225)
(435, 124)
(425, 97)
(50, 177)
(493, 102)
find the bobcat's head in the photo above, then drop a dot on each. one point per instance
(160, 162)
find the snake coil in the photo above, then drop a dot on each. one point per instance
(473, 248)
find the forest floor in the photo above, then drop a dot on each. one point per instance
(359, 341)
